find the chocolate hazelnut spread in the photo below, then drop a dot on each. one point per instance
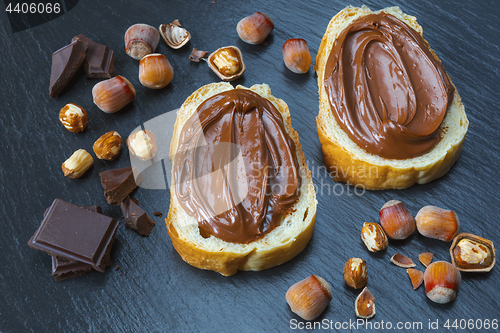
(235, 168)
(386, 90)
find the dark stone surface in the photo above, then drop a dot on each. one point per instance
(158, 292)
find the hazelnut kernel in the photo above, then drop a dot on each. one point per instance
(142, 144)
(73, 117)
(108, 146)
(77, 164)
(227, 61)
(356, 273)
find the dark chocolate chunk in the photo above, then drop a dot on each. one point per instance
(136, 218)
(100, 60)
(94, 208)
(158, 214)
(64, 268)
(117, 184)
(72, 232)
(65, 63)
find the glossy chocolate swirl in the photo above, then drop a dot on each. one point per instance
(235, 169)
(386, 90)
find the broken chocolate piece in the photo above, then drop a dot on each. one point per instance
(197, 55)
(158, 214)
(64, 268)
(94, 208)
(117, 184)
(68, 231)
(136, 218)
(100, 60)
(65, 63)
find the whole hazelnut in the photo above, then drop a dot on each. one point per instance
(438, 223)
(155, 71)
(308, 298)
(255, 28)
(141, 39)
(113, 94)
(296, 55)
(442, 282)
(396, 219)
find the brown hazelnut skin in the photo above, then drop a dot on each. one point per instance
(374, 237)
(141, 39)
(396, 219)
(442, 282)
(438, 223)
(296, 55)
(308, 298)
(255, 28)
(113, 94)
(73, 117)
(356, 273)
(155, 71)
(108, 146)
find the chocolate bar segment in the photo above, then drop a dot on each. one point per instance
(94, 208)
(117, 184)
(100, 60)
(63, 268)
(72, 232)
(65, 63)
(136, 218)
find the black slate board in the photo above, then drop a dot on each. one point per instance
(158, 292)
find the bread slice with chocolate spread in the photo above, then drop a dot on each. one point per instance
(348, 155)
(205, 250)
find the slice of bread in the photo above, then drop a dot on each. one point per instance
(276, 247)
(350, 163)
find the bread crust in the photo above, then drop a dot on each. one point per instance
(278, 246)
(351, 164)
